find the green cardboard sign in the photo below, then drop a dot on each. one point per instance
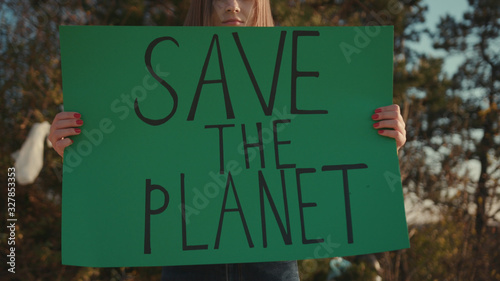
(205, 145)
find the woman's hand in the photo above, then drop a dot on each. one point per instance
(62, 127)
(389, 117)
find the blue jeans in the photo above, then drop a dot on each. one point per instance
(261, 271)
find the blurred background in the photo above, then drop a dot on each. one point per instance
(446, 80)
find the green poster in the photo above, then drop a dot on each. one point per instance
(205, 145)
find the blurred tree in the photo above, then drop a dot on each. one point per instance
(30, 90)
(453, 125)
(477, 84)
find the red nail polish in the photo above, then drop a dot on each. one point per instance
(79, 122)
(375, 116)
(376, 125)
(378, 110)
(77, 115)
(381, 131)
(77, 130)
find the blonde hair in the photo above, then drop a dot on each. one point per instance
(200, 13)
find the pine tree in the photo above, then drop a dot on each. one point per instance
(477, 84)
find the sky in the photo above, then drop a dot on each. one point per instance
(436, 10)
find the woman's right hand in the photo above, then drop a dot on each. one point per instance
(62, 127)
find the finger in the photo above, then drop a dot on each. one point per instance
(390, 124)
(61, 144)
(63, 120)
(388, 115)
(392, 107)
(398, 136)
(66, 123)
(57, 135)
(67, 115)
(63, 128)
(388, 112)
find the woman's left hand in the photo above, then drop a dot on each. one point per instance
(389, 117)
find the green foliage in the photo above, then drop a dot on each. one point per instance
(358, 271)
(314, 269)
(445, 251)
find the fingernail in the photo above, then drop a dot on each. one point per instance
(378, 110)
(77, 115)
(77, 130)
(375, 116)
(376, 125)
(79, 122)
(381, 131)
(71, 141)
